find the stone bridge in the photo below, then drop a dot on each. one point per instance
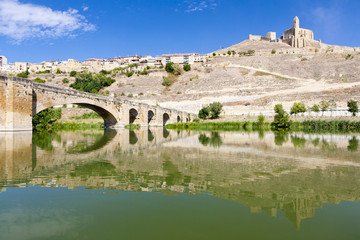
(21, 99)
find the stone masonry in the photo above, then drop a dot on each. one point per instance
(21, 99)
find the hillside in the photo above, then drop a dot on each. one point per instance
(250, 83)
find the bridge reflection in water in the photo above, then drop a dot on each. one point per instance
(293, 173)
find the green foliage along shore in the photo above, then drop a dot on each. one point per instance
(87, 82)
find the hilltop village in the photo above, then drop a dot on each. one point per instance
(248, 78)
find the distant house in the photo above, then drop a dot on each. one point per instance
(182, 58)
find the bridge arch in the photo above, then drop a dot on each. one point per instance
(178, 119)
(133, 115)
(151, 115)
(166, 118)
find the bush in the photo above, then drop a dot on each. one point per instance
(204, 113)
(166, 82)
(353, 107)
(39, 80)
(43, 72)
(187, 67)
(315, 108)
(178, 70)
(215, 109)
(251, 52)
(58, 71)
(281, 119)
(65, 80)
(24, 74)
(196, 120)
(214, 54)
(129, 74)
(87, 82)
(169, 67)
(298, 108)
(324, 105)
(105, 72)
(73, 73)
(261, 120)
(229, 52)
(46, 118)
(273, 51)
(130, 95)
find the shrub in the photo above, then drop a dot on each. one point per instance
(315, 108)
(73, 73)
(166, 82)
(229, 52)
(196, 120)
(39, 80)
(281, 119)
(187, 67)
(204, 113)
(129, 74)
(46, 118)
(105, 72)
(215, 109)
(251, 52)
(24, 74)
(130, 95)
(87, 82)
(324, 105)
(349, 56)
(178, 70)
(65, 80)
(261, 120)
(140, 94)
(298, 108)
(169, 67)
(273, 51)
(43, 72)
(214, 54)
(58, 71)
(353, 107)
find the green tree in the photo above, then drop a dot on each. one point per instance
(214, 54)
(87, 82)
(39, 80)
(273, 51)
(58, 71)
(324, 105)
(251, 52)
(353, 107)
(24, 74)
(204, 112)
(187, 67)
(298, 108)
(281, 119)
(65, 80)
(46, 118)
(215, 109)
(229, 52)
(315, 108)
(353, 144)
(73, 73)
(169, 67)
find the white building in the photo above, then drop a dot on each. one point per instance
(3, 60)
(182, 58)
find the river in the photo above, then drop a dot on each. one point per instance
(162, 184)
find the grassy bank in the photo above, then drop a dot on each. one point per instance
(306, 126)
(220, 126)
(77, 126)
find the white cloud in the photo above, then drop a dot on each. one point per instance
(193, 6)
(21, 21)
(85, 8)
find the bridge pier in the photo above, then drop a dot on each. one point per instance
(15, 105)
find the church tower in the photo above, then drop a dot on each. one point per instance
(296, 22)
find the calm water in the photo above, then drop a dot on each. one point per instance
(163, 184)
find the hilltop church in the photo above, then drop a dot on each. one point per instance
(296, 37)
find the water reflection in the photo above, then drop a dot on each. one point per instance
(263, 171)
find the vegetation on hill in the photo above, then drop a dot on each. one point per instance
(87, 82)
(24, 74)
(213, 111)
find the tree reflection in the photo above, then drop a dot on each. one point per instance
(353, 144)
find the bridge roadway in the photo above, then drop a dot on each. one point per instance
(21, 99)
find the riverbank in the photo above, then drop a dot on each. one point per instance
(306, 126)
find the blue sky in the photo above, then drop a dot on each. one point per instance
(37, 30)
